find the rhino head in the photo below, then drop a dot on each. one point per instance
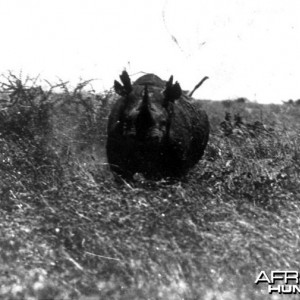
(147, 109)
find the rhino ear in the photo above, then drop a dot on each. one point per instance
(125, 79)
(124, 89)
(172, 91)
(176, 91)
(119, 89)
(169, 82)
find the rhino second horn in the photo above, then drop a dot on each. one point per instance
(146, 95)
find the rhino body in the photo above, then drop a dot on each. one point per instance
(154, 129)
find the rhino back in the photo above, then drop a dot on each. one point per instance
(150, 79)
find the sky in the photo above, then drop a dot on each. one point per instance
(247, 48)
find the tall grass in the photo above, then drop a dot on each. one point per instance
(69, 231)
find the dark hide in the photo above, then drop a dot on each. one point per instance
(154, 130)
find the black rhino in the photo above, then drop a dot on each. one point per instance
(154, 129)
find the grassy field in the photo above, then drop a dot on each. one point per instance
(69, 231)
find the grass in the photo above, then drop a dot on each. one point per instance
(69, 231)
